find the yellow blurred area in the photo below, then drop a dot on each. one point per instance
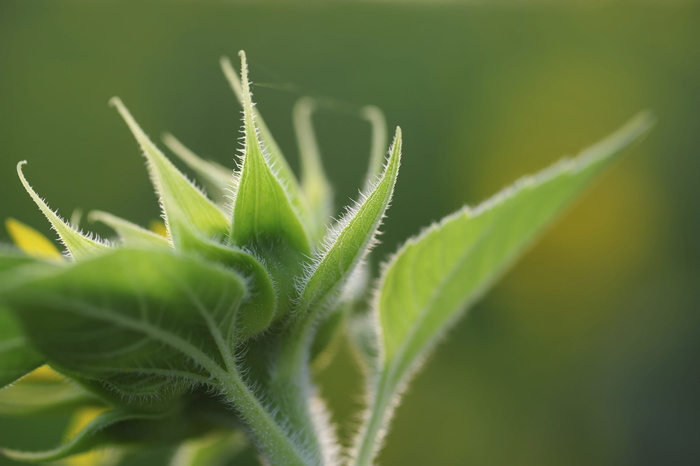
(43, 374)
(157, 226)
(31, 241)
(80, 420)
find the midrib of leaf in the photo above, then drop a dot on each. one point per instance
(267, 430)
(234, 386)
(393, 375)
(422, 313)
(263, 423)
(149, 331)
(490, 237)
(224, 348)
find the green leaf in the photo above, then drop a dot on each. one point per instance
(129, 233)
(93, 435)
(275, 156)
(436, 276)
(262, 213)
(351, 239)
(11, 260)
(29, 396)
(187, 211)
(217, 178)
(155, 323)
(117, 427)
(17, 357)
(79, 245)
(314, 183)
(446, 268)
(258, 310)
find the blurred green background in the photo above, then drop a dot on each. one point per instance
(587, 352)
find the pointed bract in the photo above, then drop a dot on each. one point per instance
(377, 122)
(186, 209)
(276, 157)
(314, 183)
(352, 238)
(216, 177)
(79, 246)
(262, 212)
(130, 233)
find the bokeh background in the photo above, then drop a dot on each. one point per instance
(587, 353)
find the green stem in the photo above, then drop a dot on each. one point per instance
(274, 442)
(373, 429)
(292, 387)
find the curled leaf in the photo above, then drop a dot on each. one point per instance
(79, 245)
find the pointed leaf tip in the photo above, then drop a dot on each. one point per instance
(245, 86)
(78, 245)
(187, 210)
(437, 275)
(314, 182)
(377, 122)
(352, 238)
(265, 217)
(262, 210)
(274, 154)
(217, 178)
(232, 77)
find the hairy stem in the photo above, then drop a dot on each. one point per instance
(374, 427)
(272, 439)
(293, 390)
